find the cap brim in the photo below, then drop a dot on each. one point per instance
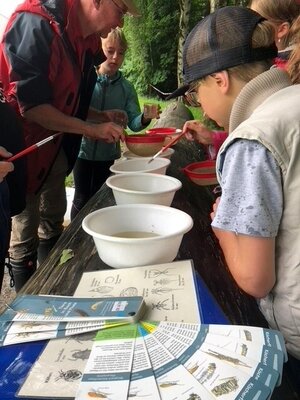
(178, 92)
(131, 8)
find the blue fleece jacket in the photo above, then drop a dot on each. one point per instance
(112, 93)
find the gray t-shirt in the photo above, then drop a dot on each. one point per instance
(252, 198)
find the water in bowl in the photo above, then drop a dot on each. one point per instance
(135, 234)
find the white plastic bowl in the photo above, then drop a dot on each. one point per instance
(164, 227)
(143, 188)
(157, 166)
(166, 154)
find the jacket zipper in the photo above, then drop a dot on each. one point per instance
(104, 84)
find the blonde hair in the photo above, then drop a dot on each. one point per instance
(293, 66)
(116, 36)
(278, 11)
(263, 36)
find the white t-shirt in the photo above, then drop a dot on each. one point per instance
(252, 199)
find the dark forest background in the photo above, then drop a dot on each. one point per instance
(157, 37)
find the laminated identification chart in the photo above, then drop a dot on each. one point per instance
(168, 289)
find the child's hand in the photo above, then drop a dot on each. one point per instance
(5, 167)
(215, 208)
(151, 111)
(195, 130)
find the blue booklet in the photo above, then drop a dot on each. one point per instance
(43, 308)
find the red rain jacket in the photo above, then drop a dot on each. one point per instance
(44, 60)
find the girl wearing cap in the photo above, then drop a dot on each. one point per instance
(282, 14)
(227, 59)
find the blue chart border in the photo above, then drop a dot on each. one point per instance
(210, 311)
(16, 360)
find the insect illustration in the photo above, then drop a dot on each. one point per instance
(160, 305)
(244, 350)
(22, 335)
(163, 281)
(82, 337)
(130, 291)
(194, 396)
(80, 354)
(231, 385)
(69, 376)
(229, 359)
(248, 335)
(162, 290)
(207, 373)
(102, 289)
(168, 384)
(48, 312)
(154, 273)
(193, 368)
(30, 325)
(97, 394)
(96, 305)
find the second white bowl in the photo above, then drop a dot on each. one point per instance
(144, 188)
(157, 166)
(166, 154)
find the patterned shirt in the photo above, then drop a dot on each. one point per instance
(252, 200)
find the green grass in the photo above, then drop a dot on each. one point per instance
(69, 181)
(196, 111)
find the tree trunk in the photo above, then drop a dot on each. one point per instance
(185, 7)
(213, 5)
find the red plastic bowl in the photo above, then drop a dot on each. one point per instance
(144, 145)
(202, 173)
(161, 131)
(144, 138)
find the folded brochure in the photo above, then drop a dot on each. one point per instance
(163, 360)
(68, 308)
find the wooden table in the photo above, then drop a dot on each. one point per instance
(199, 244)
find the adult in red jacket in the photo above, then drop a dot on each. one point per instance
(47, 58)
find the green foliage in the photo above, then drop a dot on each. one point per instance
(153, 41)
(153, 38)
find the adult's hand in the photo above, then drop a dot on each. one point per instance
(49, 117)
(110, 132)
